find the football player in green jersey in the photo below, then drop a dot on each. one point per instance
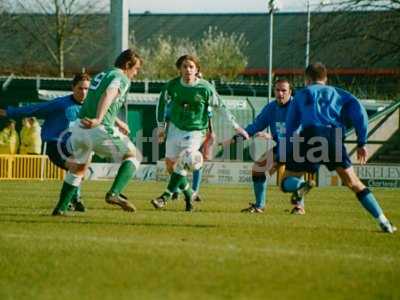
(188, 101)
(100, 131)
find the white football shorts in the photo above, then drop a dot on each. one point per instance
(179, 140)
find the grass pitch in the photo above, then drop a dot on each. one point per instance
(335, 251)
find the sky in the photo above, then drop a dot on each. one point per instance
(214, 6)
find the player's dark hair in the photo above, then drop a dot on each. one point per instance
(127, 59)
(78, 77)
(316, 71)
(192, 58)
(8, 122)
(284, 80)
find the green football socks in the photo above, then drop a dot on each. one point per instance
(177, 181)
(66, 194)
(125, 173)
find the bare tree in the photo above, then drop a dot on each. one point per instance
(57, 26)
(2, 6)
(363, 31)
(4, 10)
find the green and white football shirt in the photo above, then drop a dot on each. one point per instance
(112, 78)
(188, 106)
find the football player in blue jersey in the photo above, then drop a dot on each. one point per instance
(318, 111)
(273, 115)
(58, 115)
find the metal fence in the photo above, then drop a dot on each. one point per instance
(29, 167)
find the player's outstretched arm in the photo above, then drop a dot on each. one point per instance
(240, 131)
(239, 135)
(41, 110)
(264, 135)
(261, 122)
(218, 105)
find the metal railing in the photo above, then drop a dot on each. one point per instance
(28, 167)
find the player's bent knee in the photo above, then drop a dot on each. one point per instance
(170, 168)
(282, 185)
(259, 167)
(78, 169)
(355, 186)
(169, 164)
(136, 162)
(258, 177)
(188, 160)
(350, 179)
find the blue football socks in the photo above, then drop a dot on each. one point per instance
(260, 186)
(368, 201)
(197, 175)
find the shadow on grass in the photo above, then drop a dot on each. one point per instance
(27, 207)
(46, 219)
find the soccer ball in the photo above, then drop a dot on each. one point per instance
(191, 160)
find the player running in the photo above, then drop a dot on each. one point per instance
(190, 101)
(100, 131)
(320, 110)
(273, 115)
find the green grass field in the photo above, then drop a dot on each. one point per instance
(335, 251)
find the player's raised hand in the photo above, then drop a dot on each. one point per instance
(242, 132)
(123, 127)
(362, 155)
(264, 135)
(90, 123)
(161, 134)
(208, 145)
(232, 140)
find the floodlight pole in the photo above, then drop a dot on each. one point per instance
(271, 9)
(119, 26)
(308, 34)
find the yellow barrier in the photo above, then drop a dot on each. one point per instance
(29, 167)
